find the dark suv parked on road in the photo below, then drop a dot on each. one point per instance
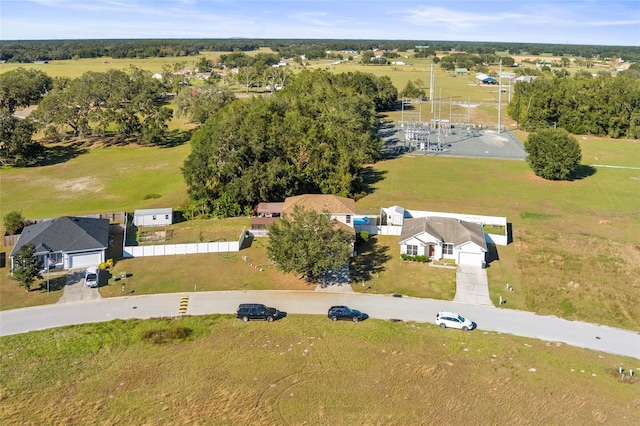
(336, 313)
(256, 311)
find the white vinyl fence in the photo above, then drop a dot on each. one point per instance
(174, 249)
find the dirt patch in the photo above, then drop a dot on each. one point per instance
(82, 184)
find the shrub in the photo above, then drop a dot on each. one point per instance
(106, 265)
(13, 222)
(420, 258)
(363, 236)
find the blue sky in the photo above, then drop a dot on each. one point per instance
(546, 21)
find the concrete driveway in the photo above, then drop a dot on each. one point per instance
(76, 291)
(472, 286)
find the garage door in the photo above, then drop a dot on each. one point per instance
(82, 260)
(470, 259)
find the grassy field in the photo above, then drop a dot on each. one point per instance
(304, 370)
(85, 178)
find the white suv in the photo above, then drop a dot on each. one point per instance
(91, 277)
(453, 320)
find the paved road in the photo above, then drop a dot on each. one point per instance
(599, 338)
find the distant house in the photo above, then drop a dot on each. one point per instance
(68, 242)
(398, 63)
(265, 214)
(341, 209)
(444, 238)
(461, 71)
(153, 217)
(485, 79)
(541, 64)
(524, 79)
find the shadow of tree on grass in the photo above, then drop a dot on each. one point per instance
(369, 261)
(370, 177)
(583, 171)
(58, 154)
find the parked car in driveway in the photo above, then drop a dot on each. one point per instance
(336, 313)
(91, 277)
(453, 320)
(256, 311)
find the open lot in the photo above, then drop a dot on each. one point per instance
(305, 370)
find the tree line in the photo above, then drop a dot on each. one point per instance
(25, 51)
(580, 104)
(313, 136)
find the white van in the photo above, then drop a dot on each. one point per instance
(91, 276)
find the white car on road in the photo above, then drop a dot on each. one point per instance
(453, 320)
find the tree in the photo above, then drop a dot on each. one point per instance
(22, 87)
(13, 222)
(308, 243)
(412, 91)
(553, 154)
(16, 144)
(26, 267)
(313, 136)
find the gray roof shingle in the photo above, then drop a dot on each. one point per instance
(446, 229)
(66, 234)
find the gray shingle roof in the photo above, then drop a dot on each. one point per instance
(66, 234)
(447, 230)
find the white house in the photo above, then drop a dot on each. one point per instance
(67, 242)
(153, 217)
(444, 238)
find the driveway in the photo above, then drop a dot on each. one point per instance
(472, 286)
(384, 307)
(76, 291)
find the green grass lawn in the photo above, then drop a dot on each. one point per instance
(86, 179)
(304, 369)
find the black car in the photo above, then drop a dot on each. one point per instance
(256, 311)
(345, 313)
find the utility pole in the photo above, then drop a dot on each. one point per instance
(431, 89)
(500, 98)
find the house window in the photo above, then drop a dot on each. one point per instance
(348, 218)
(154, 217)
(447, 249)
(412, 250)
(166, 216)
